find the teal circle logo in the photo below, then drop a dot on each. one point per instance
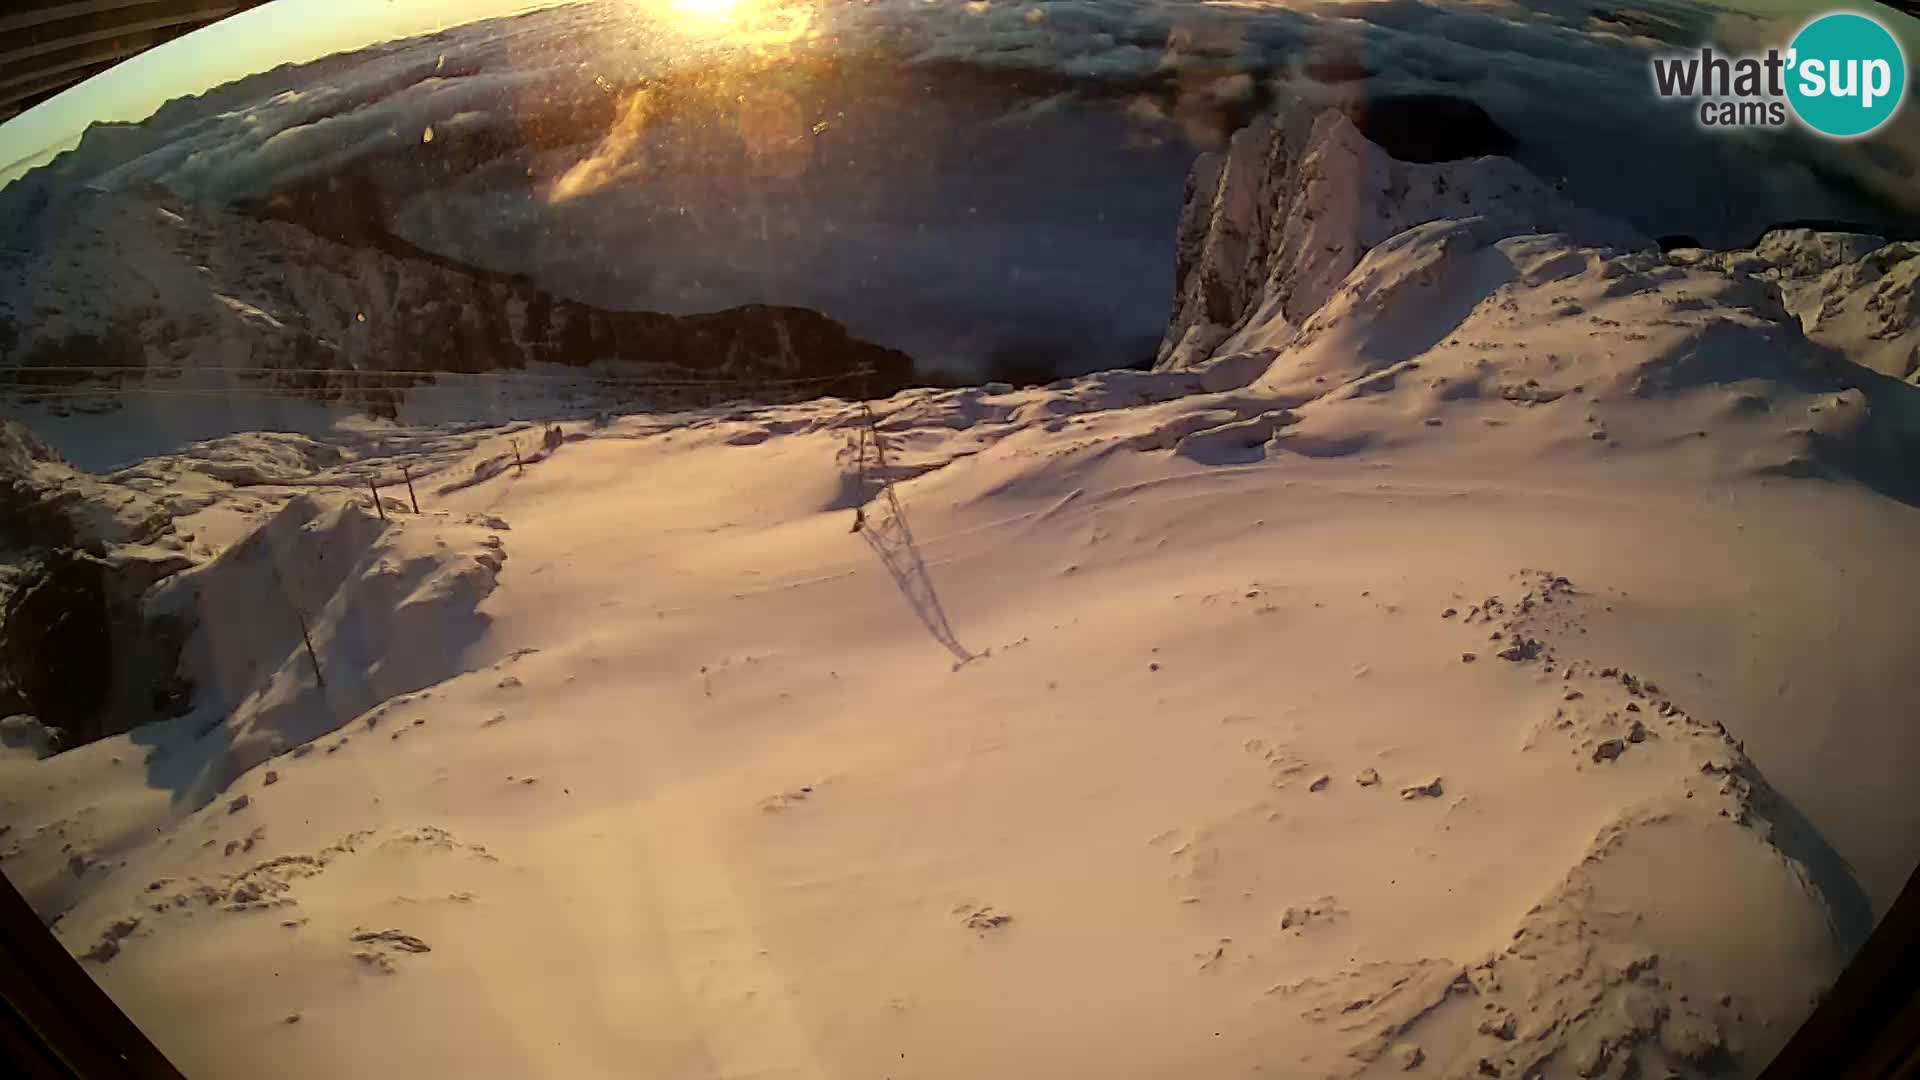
(1846, 75)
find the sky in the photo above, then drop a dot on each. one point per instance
(281, 32)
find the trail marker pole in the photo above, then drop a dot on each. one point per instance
(375, 492)
(408, 473)
(312, 656)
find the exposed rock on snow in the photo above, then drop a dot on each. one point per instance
(1274, 223)
(1386, 299)
(75, 649)
(23, 734)
(94, 609)
(1786, 254)
(44, 502)
(1852, 292)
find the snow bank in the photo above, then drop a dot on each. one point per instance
(389, 606)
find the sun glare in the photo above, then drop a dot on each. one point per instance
(759, 24)
(704, 10)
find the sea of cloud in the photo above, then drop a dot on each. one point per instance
(1570, 78)
(1052, 207)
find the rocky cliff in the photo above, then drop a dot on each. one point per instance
(1321, 273)
(1275, 222)
(98, 284)
(77, 653)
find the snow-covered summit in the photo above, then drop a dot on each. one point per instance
(1274, 223)
(1853, 292)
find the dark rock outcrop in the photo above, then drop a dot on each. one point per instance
(314, 298)
(1272, 225)
(76, 650)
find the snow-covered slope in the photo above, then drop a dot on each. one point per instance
(1855, 293)
(774, 797)
(1301, 277)
(126, 598)
(1496, 667)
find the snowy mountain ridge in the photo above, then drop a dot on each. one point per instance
(1272, 225)
(1276, 221)
(1852, 292)
(145, 282)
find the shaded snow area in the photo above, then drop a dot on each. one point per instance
(1478, 649)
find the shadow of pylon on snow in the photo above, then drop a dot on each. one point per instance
(890, 536)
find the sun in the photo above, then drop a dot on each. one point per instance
(757, 24)
(704, 10)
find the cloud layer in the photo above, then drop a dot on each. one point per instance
(560, 158)
(1569, 77)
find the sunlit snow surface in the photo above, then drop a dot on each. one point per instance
(985, 185)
